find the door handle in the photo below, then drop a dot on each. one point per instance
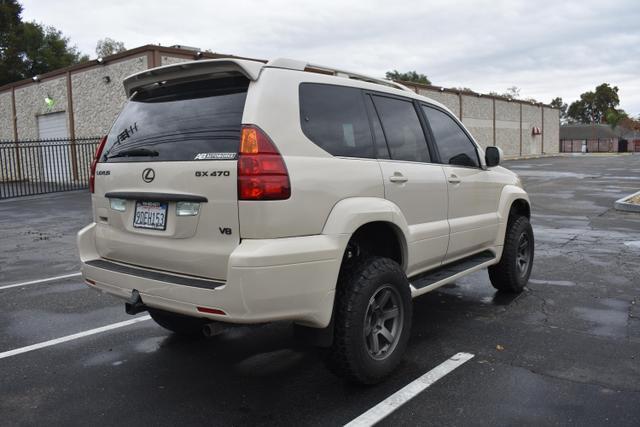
(398, 177)
(453, 179)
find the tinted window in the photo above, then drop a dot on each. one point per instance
(453, 144)
(402, 129)
(382, 151)
(335, 119)
(178, 122)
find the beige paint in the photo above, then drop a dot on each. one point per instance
(287, 263)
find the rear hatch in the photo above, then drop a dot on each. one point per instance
(166, 180)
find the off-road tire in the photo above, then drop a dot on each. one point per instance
(359, 283)
(179, 324)
(508, 275)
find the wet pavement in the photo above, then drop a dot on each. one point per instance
(570, 343)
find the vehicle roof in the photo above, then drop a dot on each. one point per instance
(252, 70)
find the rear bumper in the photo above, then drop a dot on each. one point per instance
(267, 280)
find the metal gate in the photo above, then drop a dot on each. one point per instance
(23, 172)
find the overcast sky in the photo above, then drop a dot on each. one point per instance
(547, 48)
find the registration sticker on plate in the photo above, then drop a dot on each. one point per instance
(151, 215)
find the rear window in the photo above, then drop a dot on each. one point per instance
(176, 122)
(335, 119)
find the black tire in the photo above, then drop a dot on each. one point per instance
(512, 273)
(179, 324)
(368, 292)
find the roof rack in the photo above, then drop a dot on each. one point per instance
(292, 64)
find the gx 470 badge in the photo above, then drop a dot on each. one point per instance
(200, 174)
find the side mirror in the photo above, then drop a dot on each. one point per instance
(493, 156)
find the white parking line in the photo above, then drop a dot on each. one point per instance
(73, 337)
(402, 396)
(45, 280)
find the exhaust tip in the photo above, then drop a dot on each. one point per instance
(135, 304)
(212, 329)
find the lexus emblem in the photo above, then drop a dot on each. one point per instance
(148, 175)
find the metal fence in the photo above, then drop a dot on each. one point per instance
(592, 145)
(45, 166)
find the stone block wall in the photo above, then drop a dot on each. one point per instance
(30, 103)
(477, 116)
(98, 95)
(497, 121)
(6, 117)
(449, 100)
(551, 130)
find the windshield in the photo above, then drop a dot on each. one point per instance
(178, 122)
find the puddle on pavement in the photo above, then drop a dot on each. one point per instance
(552, 282)
(609, 321)
(554, 174)
(476, 287)
(105, 358)
(530, 166)
(149, 345)
(269, 363)
(635, 244)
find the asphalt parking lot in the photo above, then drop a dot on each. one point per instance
(566, 351)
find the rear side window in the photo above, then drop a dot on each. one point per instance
(188, 121)
(335, 119)
(453, 144)
(402, 129)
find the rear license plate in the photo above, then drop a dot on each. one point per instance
(152, 215)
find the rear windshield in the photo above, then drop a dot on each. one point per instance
(188, 121)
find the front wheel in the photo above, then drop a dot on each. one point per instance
(512, 273)
(372, 320)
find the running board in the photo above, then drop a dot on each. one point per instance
(449, 272)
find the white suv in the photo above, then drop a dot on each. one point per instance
(237, 192)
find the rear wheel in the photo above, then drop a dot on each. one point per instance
(512, 273)
(177, 323)
(372, 320)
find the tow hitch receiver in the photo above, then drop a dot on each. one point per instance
(135, 304)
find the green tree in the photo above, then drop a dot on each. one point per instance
(10, 35)
(615, 117)
(561, 106)
(409, 76)
(46, 49)
(29, 48)
(512, 92)
(593, 106)
(109, 46)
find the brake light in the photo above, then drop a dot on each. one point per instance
(94, 163)
(262, 174)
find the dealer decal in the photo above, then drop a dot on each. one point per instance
(216, 156)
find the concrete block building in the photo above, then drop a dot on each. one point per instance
(520, 128)
(598, 138)
(83, 100)
(80, 101)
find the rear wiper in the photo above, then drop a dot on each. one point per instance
(134, 152)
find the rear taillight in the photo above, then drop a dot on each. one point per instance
(262, 174)
(94, 163)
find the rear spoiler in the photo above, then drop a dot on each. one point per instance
(201, 68)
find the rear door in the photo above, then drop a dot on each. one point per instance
(166, 186)
(473, 192)
(411, 181)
